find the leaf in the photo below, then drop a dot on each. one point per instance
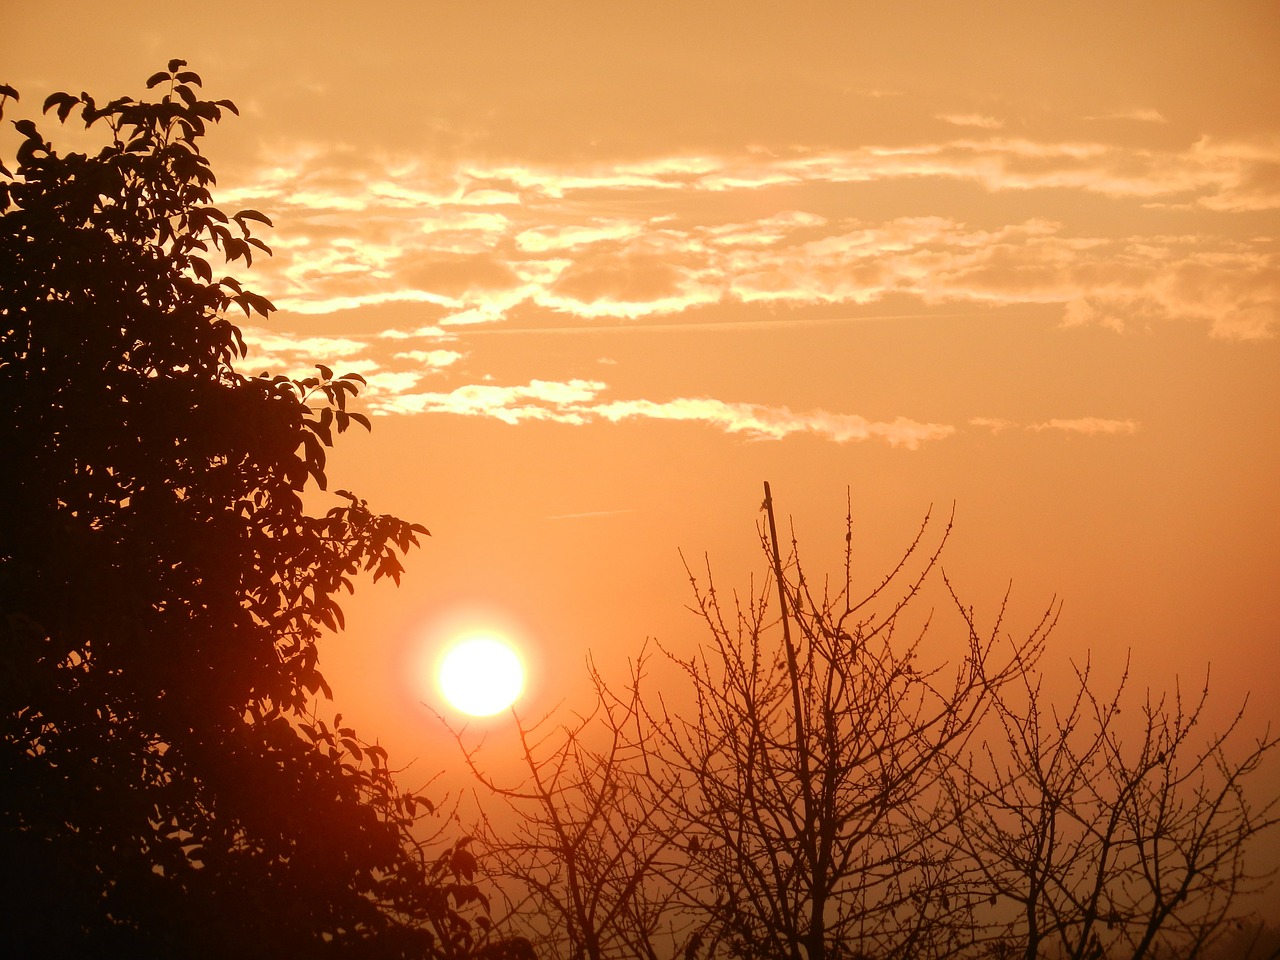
(465, 893)
(463, 863)
(325, 372)
(8, 91)
(175, 64)
(247, 301)
(321, 428)
(64, 101)
(190, 76)
(156, 79)
(260, 304)
(254, 215)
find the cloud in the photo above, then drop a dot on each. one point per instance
(1248, 323)
(1139, 115)
(317, 181)
(575, 236)
(628, 284)
(431, 358)
(1082, 312)
(453, 241)
(578, 402)
(994, 424)
(335, 304)
(561, 402)
(971, 120)
(273, 343)
(1235, 287)
(1090, 426)
(395, 380)
(386, 375)
(759, 422)
(1252, 179)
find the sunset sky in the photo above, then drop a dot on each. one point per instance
(608, 266)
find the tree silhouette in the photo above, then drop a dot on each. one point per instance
(1105, 835)
(168, 789)
(587, 834)
(843, 777)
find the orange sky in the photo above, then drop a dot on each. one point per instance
(609, 266)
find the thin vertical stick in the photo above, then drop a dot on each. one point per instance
(793, 669)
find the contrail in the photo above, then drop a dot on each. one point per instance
(461, 331)
(590, 513)
(624, 326)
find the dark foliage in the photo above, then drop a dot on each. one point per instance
(166, 787)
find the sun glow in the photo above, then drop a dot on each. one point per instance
(481, 674)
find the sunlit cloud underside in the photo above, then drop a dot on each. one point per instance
(579, 402)
(631, 241)
(474, 245)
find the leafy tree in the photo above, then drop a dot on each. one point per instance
(168, 789)
(828, 784)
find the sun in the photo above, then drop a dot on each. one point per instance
(481, 674)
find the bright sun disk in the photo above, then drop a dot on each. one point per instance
(481, 675)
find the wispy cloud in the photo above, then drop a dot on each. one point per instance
(387, 373)
(760, 422)
(556, 402)
(396, 380)
(579, 402)
(1139, 115)
(994, 424)
(971, 120)
(472, 200)
(1089, 426)
(576, 236)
